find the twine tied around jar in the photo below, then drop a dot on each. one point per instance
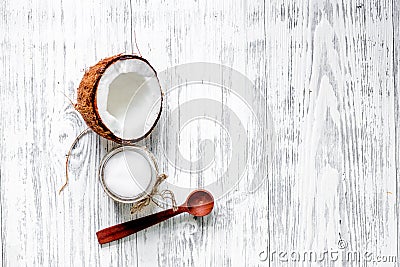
(165, 194)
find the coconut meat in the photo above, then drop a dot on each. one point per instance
(128, 174)
(127, 94)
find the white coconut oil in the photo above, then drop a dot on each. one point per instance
(128, 173)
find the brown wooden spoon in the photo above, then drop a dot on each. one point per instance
(198, 203)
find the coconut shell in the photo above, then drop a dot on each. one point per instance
(87, 103)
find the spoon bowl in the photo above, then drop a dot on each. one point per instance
(200, 203)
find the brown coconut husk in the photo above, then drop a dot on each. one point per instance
(87, 103)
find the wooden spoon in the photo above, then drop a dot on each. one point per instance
(198, 203)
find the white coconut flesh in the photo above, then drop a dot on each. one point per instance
(126, 96)
(128, 173)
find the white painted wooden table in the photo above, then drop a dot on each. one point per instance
(329, 71)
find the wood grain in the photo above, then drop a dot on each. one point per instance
(336, 164)
(329, 71)
(396, 78)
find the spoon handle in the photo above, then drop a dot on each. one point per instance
(127, 228)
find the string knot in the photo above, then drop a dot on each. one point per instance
(165, 195)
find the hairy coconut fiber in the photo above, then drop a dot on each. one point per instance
(86, 102)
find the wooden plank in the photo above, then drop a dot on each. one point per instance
(212, 32)
(4, 63)
(335, 158)
(49, 44)
(396, 77)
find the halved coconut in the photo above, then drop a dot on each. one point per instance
(117, 98)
